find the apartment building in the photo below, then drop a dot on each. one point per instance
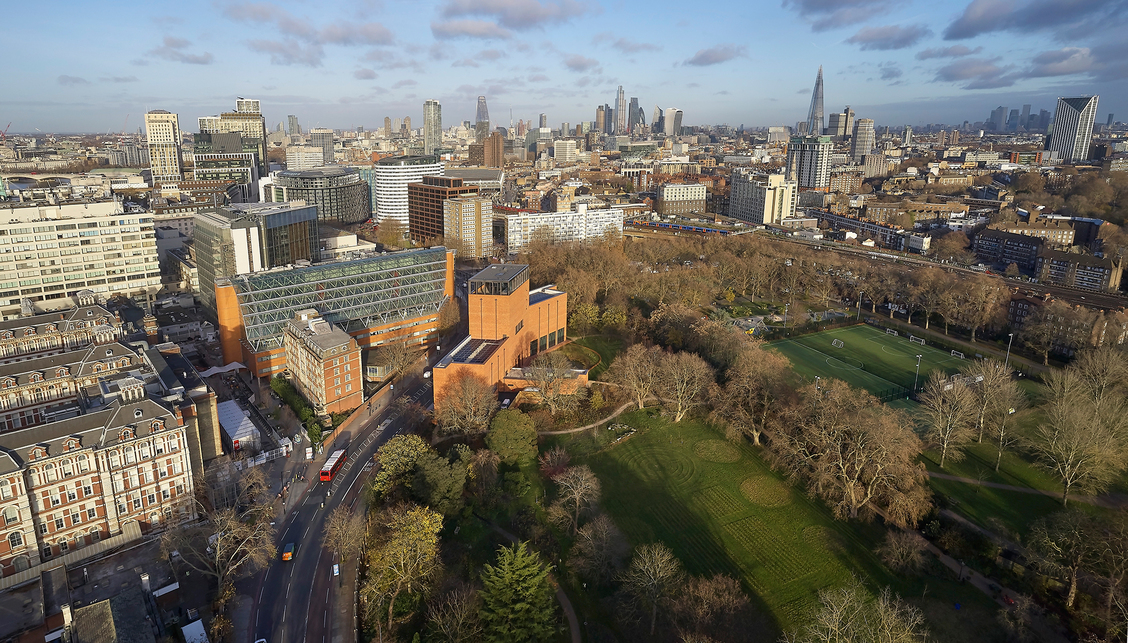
(425, 206)
(324, 363)
(762, 199)
(681, 198)
(1001, 247)
(86, 323)
(1057, 234)
(48, 252)
(521, 227)
(1079, 271)
(468, 222)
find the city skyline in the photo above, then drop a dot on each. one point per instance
(351, 63)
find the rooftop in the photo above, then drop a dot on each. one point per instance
(500, 272)
(471, 351)
(408, 160)
(328, 171)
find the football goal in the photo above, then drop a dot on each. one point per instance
(890, 331)
(916, 340)
(837, 343)
(957, 354)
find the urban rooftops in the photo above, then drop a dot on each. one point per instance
(499, 279)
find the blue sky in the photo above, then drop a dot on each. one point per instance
(83, 67)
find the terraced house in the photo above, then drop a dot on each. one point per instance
(66, 485)
(30, 336)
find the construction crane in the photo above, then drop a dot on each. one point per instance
(4, 135)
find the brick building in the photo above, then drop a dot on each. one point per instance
(1002, 247)
(425, 206)
(324, 363)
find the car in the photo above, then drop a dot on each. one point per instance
(288, 552)
(426, 374)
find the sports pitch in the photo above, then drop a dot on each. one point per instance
(883, 364)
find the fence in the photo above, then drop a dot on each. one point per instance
(266, 456)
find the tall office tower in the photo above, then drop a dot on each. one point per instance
(481, 121)
(808, 162)
(955, 138)
(815, 116)
(672, 122)
(247, 122)
(654, 120)
(323, 137)
(564, 129)
(406, 131)
(493, 154)
(849, 122)
(864, 140)
(907, 137)
(397, 124)
(543, 120)
(387, 127)
(1110, 121)
(1024, 120)
(295, 129)
(608, 119)
(634, 115)
(836, 125)
(1073, 128)
(1012, 120)
(1043, 120)
(564, 152)
(162, 131)
(600, 119)
(998, 118)
(621, 112)
(432, 126)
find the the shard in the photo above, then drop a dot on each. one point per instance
(482, 121)
(815, 116)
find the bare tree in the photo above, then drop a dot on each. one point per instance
(344, 533)
(579, 491)
(752, 397)
(684, 378)
(652, 578)
(849, 614)
(990, 382)
(949, 409)
(550, 372)
(394, 357)
(902, 551)
(468, 403)
(854, 452)
(483, 471)
(982, 302)
(637, 371)
(1081, 441)
(1006, 401)
(554, 461)
(1063, 543)
(599, 549)
(702, 600)
(453, 615)
(1111, 539)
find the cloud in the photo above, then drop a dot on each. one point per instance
(628, 46)
(890, 71)
(832, 14)
(489, 54)
(301, 34)
(1063, 62)
(516, 14)
(450, 29)
(407, 82)
(537, 78)
(119, 79)
(1077, 17)
(364, 73)
(979, 73)
(171, 50)
(71, 81)
(580, 63)
(465, 62)
(888, 37)
(955, 51)
(714, 55)
(289, 52)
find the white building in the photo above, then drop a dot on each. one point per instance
(762, 199)
(162, 131)
(392, 175)
(681, 198)
(432, 126)
(304, 157)
(808, 162)
(48, 251)
(564, 152)
(1073, 128)
(522, 227)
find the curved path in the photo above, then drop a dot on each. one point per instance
(1109, 501)
(619, 411)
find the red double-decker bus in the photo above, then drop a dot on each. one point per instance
(336, 459)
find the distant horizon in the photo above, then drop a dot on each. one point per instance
(350, 63)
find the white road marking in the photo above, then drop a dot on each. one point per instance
(283, 613)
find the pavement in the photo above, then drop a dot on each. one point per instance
(300, 601)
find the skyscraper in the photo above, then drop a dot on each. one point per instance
(481, 121)
(544, 120)
(815, 116)
(998, 118)
(1024, 120)
(907, 137)
(634, 115)
(600, 119)
(1073, 128)
(247, 122)
(671, 122)
(654, 120)
(849, 122)
(323, 137)
(406, 131)
(432, 126)
(387, 127)
(1110, 121)
(295, 129)
(864, 140)
(621, 112)
(808, 162)
(162, 131)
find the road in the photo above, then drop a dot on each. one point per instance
(295, 601)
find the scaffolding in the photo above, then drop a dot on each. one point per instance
(354, 295)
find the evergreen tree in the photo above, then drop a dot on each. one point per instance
(517, 600)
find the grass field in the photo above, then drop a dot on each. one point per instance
(606, 347)
(722, 510)
(869, 358)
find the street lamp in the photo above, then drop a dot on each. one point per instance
(1009, 342)
(916, 378)
(785, 307)
(860, 296)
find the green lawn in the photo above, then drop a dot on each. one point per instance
(722, 510)
(606, 347)
(869, 358)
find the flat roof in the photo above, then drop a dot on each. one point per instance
(326, 171)
(500, 272)
(408, 160)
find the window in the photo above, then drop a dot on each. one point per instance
(5, 490)
(76, 518)
(72, 495)
(67, 469)
(165, 494)
(138, 413)
(129, 459)
(49, 472)
(137, 502)
(114, 461)
(92, 513)
(87, 491)
(47, 551)
(60, 524)
(152, 499)
(63, 546)
(96, 535)
(42, 528)
(11, 515)
(15, 539)
(83, 466)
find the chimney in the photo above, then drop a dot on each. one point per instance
(145, 583)
(67, 618)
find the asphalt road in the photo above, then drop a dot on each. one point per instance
(295, 601)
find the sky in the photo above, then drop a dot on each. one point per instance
(79, 66)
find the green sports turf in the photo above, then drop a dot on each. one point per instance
(869, 358)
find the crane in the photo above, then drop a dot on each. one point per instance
(4, 134)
